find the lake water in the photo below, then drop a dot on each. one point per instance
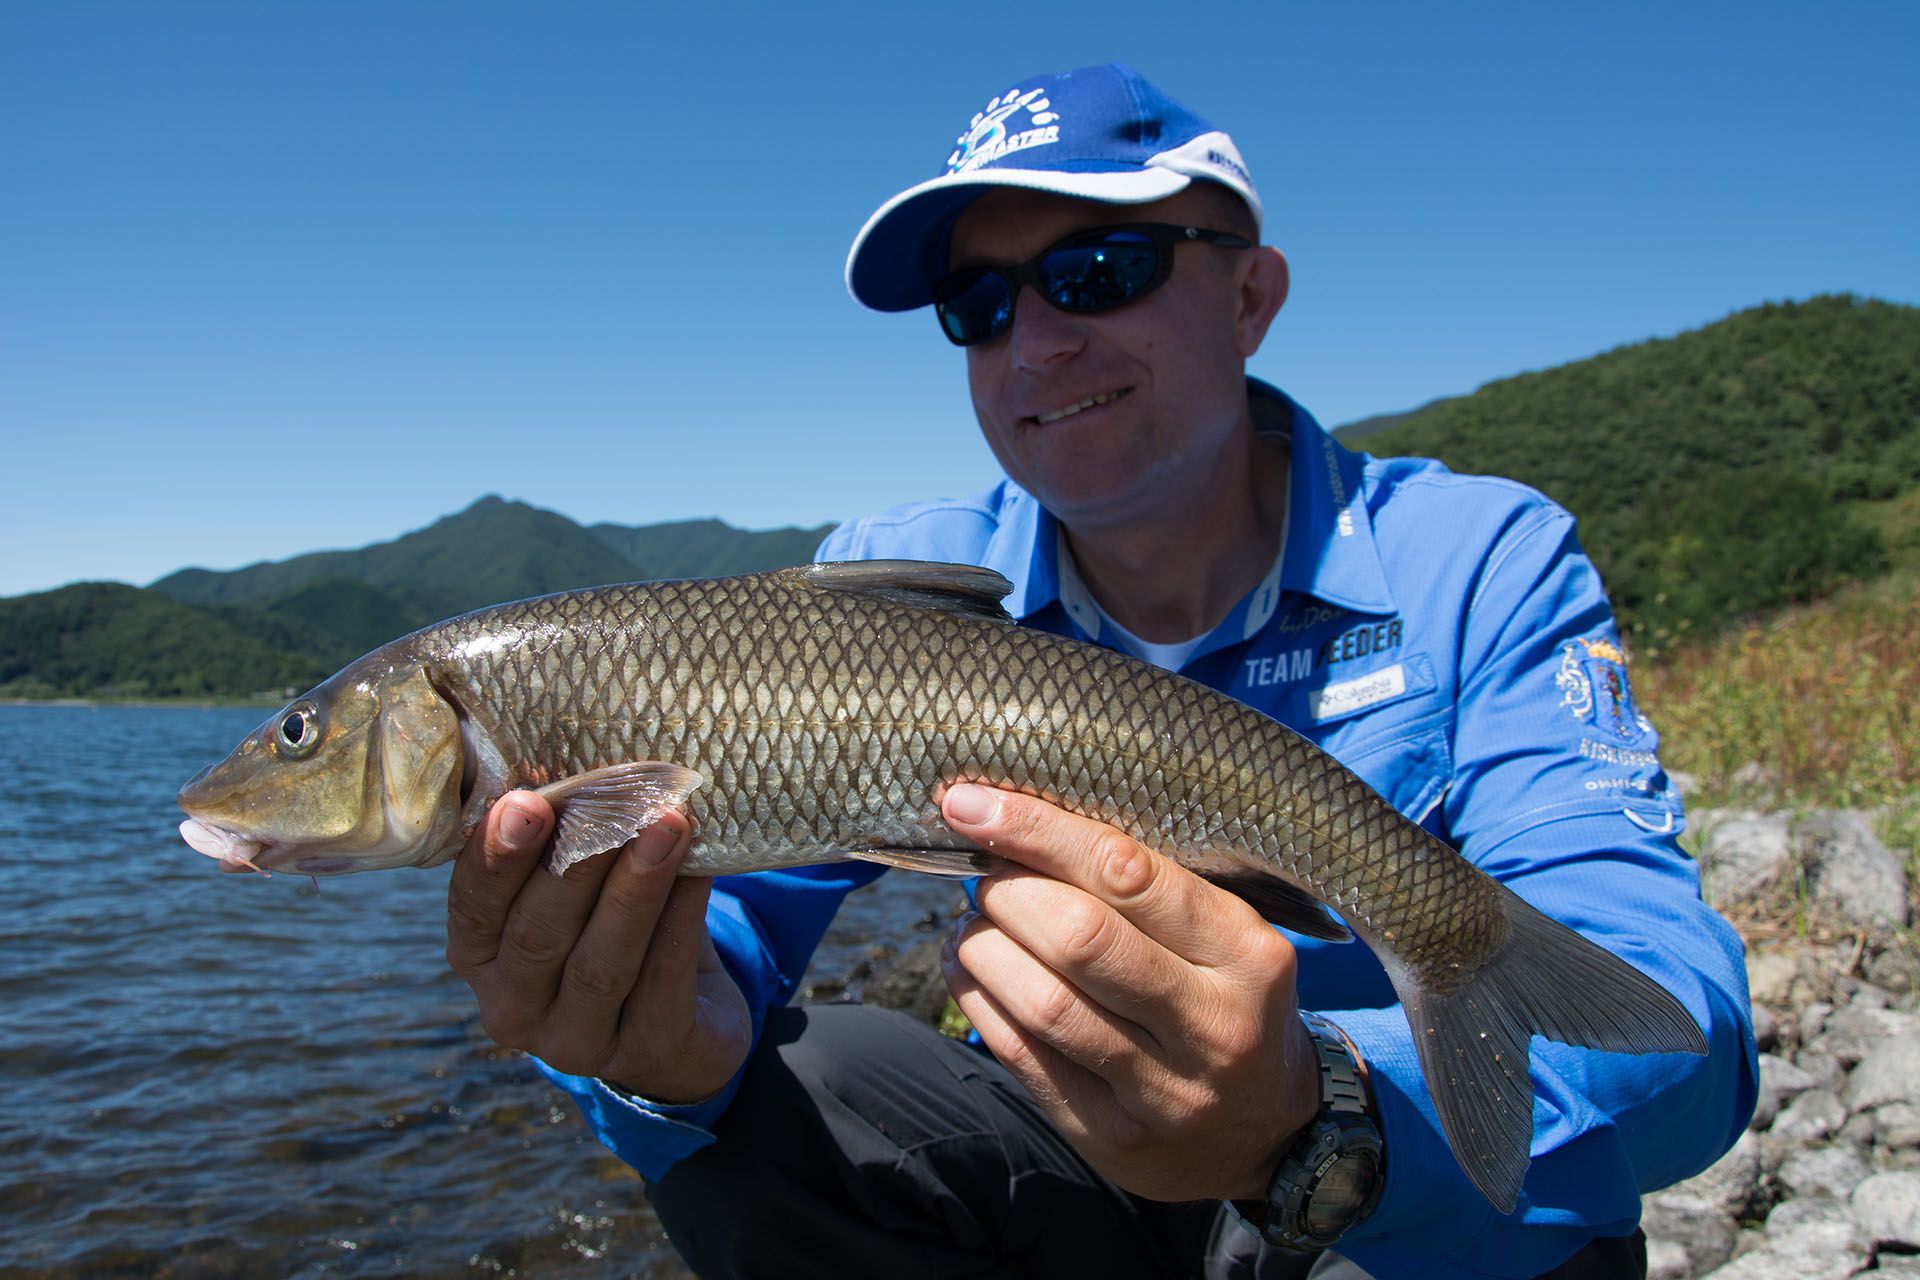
(205, 1074)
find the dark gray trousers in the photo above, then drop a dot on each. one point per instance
(863, 1143)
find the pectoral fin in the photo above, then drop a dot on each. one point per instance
(602, 809)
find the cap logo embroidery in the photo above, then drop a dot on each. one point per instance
(987, 138)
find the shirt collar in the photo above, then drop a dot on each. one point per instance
(1329, 551)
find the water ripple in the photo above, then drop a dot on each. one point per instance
(226, 1076)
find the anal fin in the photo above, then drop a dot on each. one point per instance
(602, 809)
(934, 862)
(1281, 903)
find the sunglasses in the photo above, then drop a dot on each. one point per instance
(1088, 272)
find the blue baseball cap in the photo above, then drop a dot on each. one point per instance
(1099, 133)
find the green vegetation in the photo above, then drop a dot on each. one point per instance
(1821, 697)
(256, 632)
(493, 551)
(1765, 459)
(709, 548)
(108, 640)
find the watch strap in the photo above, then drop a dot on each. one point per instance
(1344, 1130)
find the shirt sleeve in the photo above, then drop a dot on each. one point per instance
(1557, 792)
(765, 927)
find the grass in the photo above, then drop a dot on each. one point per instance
(1821, 699)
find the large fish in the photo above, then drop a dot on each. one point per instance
(811, 714)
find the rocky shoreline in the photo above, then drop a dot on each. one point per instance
(1825, 1183)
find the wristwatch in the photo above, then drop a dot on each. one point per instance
(1329, 1177)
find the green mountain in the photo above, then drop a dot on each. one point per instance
(106, 639)
(708, 548)
(264, 628)
(1761, 459)
(493, 551)
(1353, 433)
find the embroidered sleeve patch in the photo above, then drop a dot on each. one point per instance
(1593, 688)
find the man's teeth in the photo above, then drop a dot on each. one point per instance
(1105, 397)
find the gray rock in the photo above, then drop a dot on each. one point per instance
(1825, 1069)
(1849, 869)
(1703, 1233)
(1765, 1034)
(1743, 854)
(1755, 780)
(1805, 1240)
(1853, 1031)
(1814, 1116)
(1813, 1020)
(1897, 1125)
(1820, 1172)
(1864, 995)
(1894, 1265)
(1666, 1260)
(1785, 1077)
(1780, 1083)
(912, 983)
(1890, 1072)
(1860, 1131)
(1887, 1207)
(1730, 1186)
(1771, 974)
(1896, 969)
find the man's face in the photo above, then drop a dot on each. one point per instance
(1113, 417)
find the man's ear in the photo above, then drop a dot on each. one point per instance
(1263, 283)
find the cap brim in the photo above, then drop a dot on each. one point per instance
(892, 264)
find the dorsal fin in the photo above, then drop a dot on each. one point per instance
(924, 584)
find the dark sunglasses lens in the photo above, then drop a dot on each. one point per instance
(973, 307)
(1099, 276)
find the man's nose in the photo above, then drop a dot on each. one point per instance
(1041, 333)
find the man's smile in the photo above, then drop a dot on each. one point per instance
(1055, 415)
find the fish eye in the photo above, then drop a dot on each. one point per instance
(298, 730)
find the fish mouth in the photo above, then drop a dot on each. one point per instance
(234, 851)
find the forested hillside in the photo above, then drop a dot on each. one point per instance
(1763, 459)
(1759, 460)
(260, 630)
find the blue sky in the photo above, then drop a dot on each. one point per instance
(278, 277)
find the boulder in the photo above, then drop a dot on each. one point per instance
(1743, 854)
(1849, 870)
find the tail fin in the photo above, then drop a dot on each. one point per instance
(1473, 1040)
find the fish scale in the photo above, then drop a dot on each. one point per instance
(1002, 704)
(822, 708)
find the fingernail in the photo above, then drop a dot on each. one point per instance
(654, 843)
(520, 831)
(973, 805)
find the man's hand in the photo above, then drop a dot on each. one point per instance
(1150, 1014)
(606, 971)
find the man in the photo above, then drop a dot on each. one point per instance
(1155, 1102)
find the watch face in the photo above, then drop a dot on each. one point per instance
(1340, 1193)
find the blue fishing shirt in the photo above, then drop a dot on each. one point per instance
(1445, 638)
